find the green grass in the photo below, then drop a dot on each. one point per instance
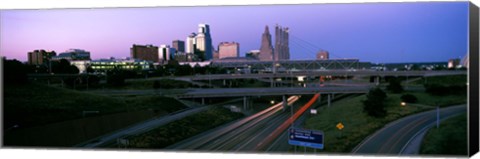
(157, 103)
(183, 129)
(444, 80)
(433, 100)
(36, 104)
(148, 84)
(359, 125)
(449, 139)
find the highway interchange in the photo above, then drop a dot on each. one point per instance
(260, 132)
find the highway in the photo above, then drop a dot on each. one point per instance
(328, 73)
(239, 92)
(394, 137)
(233, 92)
(242, 135)
(145, 126)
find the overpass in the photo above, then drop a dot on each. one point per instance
(328, 73)
(238, 92)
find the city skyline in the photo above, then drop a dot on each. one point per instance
(374, 32)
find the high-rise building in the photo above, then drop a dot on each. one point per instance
(204, 42)
(282, 50)
(191, 43)
(166, 53)
(266, 49)
(40, 57)
(323, 55)
(144, 52)
(178, 45)
(228, 49)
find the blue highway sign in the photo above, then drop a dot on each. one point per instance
(307, 138)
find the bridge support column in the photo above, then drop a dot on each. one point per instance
(406, 83)
(285, 102)
(329, 100)
(319, 100)
(224, 82)
(245, 103)
(377, 80)
(203, 101)
(272, 83)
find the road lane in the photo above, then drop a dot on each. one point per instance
(210, 140)
(393, 137)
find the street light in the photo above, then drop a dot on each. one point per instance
(403, 104)
(272, 102)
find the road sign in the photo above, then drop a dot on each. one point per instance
(340, 126)
(307, 138)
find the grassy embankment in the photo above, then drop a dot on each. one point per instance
(40, 107)
(449, 139)
(183, 129)
(359, 125)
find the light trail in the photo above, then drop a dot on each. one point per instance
(286, 124)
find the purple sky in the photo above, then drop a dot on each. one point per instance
(374, 32)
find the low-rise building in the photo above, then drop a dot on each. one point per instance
(122, 64)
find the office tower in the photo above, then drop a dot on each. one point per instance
(266, 49)
(178, 45)
(204, 42)
(40, 57)
(144, 52)
(228, 49)
(282, 50)
(191, 43)
(323, 55)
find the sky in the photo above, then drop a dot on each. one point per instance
(371, 32)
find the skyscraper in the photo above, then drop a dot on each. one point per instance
(228, 49)
(282, 50)
(266, 49)
(191, 43)
(166, 53)
(204, 42)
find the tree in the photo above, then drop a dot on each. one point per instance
(63, 67)
(375, 103)
(15, 72)
(395, 86)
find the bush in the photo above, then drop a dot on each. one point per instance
(409, 98)
(375, 103)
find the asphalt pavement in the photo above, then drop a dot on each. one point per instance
(394, 138)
